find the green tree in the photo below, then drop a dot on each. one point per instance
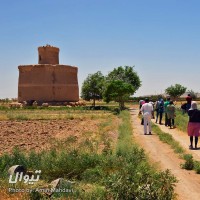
(120, 84)
(93, 86)
(126, 74)
(175, 91)
(118, 91)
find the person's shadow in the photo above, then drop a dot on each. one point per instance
(198, 148)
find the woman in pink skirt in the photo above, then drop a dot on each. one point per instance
(193, 124)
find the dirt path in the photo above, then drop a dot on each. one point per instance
(163, 156)
(182, 138)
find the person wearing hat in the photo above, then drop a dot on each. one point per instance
(147, 110)
(193, 124)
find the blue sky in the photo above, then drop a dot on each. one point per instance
(161, 38)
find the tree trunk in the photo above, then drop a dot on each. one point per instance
(121, 104)
(94, 102)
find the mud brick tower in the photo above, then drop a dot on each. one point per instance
(48, 81)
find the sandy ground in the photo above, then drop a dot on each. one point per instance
(163, 156)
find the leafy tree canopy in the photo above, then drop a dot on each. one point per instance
(121, 83)
(93, 86)
(176, 90)
(126, 74)
(118, 90)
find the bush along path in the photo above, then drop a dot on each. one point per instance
(164, 157)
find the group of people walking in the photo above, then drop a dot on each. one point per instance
(147, 108)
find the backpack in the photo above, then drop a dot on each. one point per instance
(159, 106)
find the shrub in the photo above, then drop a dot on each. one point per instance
(189, 162)
(197, 167)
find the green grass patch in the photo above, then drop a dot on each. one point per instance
(11, 116)
(51, 113)
(167, 138)
(181, 120)
(197, 167)
(189, 162)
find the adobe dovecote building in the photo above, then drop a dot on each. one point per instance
(48, 81)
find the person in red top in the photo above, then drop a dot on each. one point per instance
(189, 101)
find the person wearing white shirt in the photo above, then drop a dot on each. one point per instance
(147, 110)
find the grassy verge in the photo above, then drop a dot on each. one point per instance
(167, 138)
(181, 120)
(55, 112)
(122, 172)
(137, 179)
(51, 114)
(190, 163)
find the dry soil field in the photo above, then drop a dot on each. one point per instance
(40, 134)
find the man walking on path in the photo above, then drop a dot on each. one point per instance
(147, 110)
(159, 110)
(165, 107)
(141, 102)
(170, 110)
